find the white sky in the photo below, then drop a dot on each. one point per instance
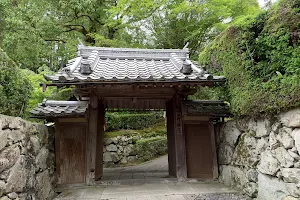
(262, 2)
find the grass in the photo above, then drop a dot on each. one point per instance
(154, 131)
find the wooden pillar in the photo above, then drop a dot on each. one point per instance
(91, 139)
(171, 138)
(100, 138)
(176, 139)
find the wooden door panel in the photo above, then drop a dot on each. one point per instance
(199, 151)
(72, 142)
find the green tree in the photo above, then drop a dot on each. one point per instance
(14, 87)
(196, 22)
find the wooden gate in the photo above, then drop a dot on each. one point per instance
(200, 148)
(70, 152)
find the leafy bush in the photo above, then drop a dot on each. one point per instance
(117, 121)
(14, 87)
(150, 148)
(37, 94)
(153, 131)
(259, 55)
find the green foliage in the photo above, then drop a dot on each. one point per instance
(153, 131)
(150, 148)
(259, 55)
(117, 121)
(14, 87)
(210, 93)
(196, 22)
(37, 94)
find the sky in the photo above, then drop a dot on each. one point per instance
(262, 2)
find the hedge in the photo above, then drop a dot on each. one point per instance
(149, 148)
(135, 121)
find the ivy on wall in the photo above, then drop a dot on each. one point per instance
(260, 57)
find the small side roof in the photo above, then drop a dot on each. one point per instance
(51, 109)
(98, 64)
(206, 108)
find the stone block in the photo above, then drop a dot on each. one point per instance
(268, 164)
(3, 138)
(252, 175)
(4, 198)
(8, 157)
(2, 187)
(294, 155)
(285, 138)
(35, 144)
(12, 195)
(270, 188)
(251, 189)
(41, 158)
(111, 148)
(273, 142)
(18, 177)
(230, 133)
(290, 118)
(245, 154)
(225, 154)
(124, 160)
(107, 141)
(296, 133)
(43, 185)
(15, 136)
(291, 175)
(285, 159)
(233, 176)
(115, 157)
(131, 158)
(107, 157)
(263, 128)
(261, 145)
(275, 127)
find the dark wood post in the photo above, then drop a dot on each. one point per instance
(176, 139)
(92, 139)
(100, 138)
(170, 113)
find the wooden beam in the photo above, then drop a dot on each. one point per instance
(92, 139)
(176, 139)
(100, 139)
(171, 138)
(57, 150)
(180, 141)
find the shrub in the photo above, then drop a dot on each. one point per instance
(149, 148)
(14, 87)
(259, 55)
(117, 121)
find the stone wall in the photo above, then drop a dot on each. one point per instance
(260, 157)
(26, 160)
(122, 150)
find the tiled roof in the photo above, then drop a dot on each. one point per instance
(206, 108)
(96, 64)
(59, 108)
